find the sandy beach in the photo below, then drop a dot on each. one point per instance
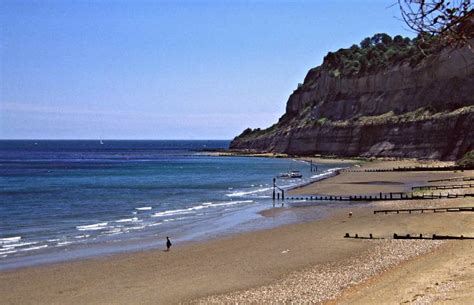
(371, 183)
(307, 262)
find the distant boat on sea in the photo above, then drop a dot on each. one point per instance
(291, 174)
(101, 143)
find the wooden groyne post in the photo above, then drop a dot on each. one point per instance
(274, 186)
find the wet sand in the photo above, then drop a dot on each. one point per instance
(308, 262)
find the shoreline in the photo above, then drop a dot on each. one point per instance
(241, 265)
(317, 158)
(95, 250)
(234, 265)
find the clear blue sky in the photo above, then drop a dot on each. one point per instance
(166, 70)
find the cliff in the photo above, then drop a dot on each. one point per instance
(422, 110)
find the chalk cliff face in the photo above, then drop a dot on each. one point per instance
(423, 111)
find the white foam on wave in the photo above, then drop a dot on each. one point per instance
(301, 161)
(143, 208)
(192, 210)
(134, 219)
(64, 243)
(231, 203)
(82, 236)
(114, 231)
(326, 173)
(17, 245)
(134, 228)
(181, 218)
(244, 193)
(8, 240)
(172, 212)
(8, 252)
(34, 248)
(155, 224)
(93, 227)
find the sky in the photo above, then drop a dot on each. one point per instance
(166, 69)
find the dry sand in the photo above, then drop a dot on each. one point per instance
(307, 262)
(445, 276)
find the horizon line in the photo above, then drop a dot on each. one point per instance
(103, 139)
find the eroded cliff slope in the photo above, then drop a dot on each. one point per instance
(423, 110)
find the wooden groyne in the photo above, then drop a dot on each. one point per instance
(422, 210)
(453, 179)
(347, 235)
(434, 236)
(380, 197)
(442, 187)
(409, 169)
(409, 236)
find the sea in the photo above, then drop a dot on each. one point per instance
(64, 200)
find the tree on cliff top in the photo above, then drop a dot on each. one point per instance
(379, 52)
(449, 20)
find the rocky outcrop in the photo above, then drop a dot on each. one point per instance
(425, 111)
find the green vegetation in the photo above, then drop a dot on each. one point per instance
(378, 52)
(467, 161)
(250, 133)
(321, 121)
(420, 114)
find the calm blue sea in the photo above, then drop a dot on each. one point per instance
(71, 199)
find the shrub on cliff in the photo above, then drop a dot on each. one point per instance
(467, 161)
(378, 52)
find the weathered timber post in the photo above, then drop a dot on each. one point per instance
(274, 184)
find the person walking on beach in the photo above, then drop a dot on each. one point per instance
(168, 243)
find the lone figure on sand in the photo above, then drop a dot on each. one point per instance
(168, 243)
